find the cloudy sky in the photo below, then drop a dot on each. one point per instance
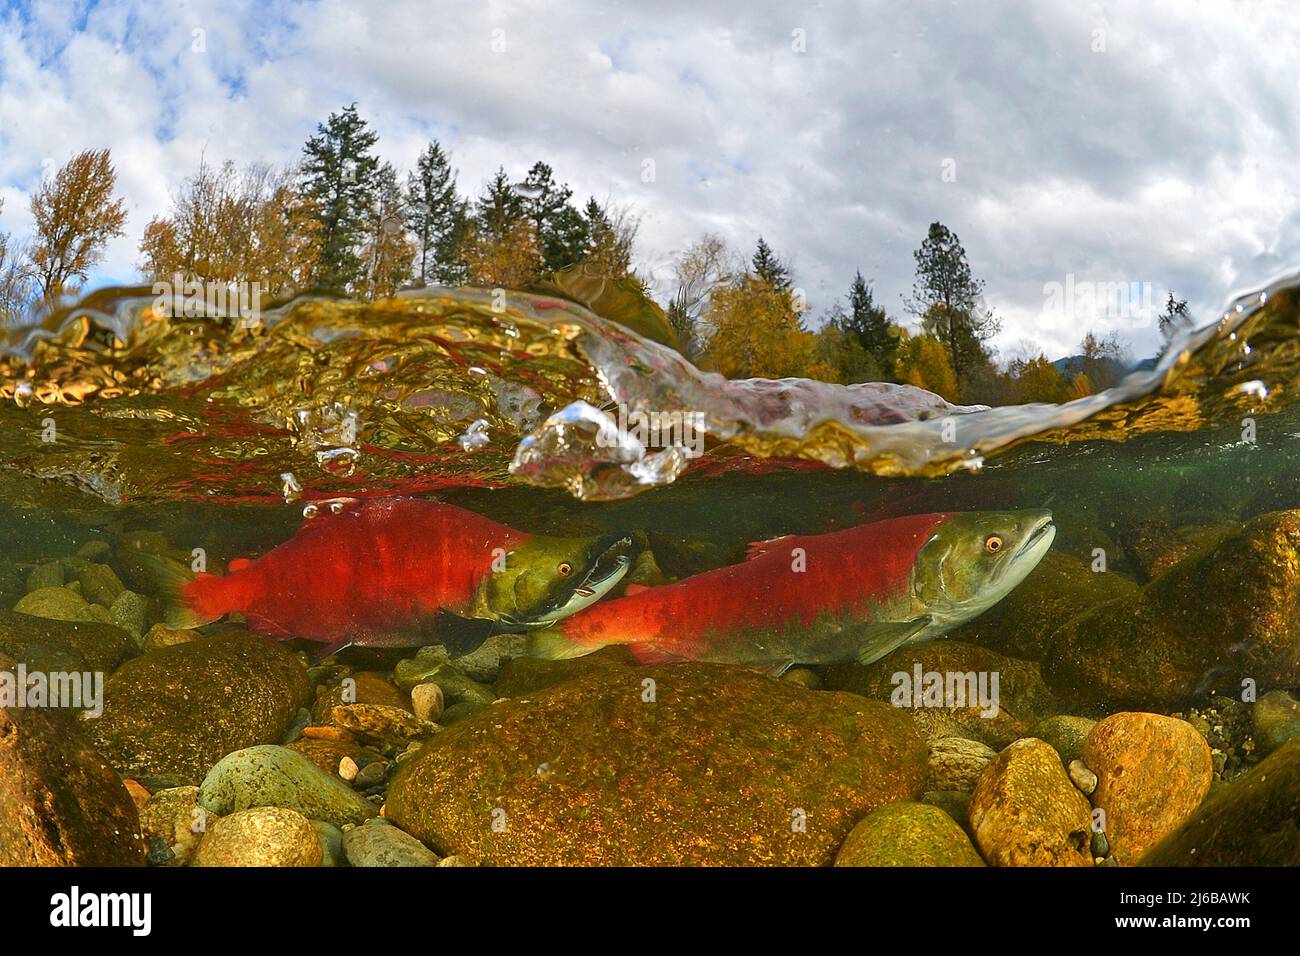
(1151, 143)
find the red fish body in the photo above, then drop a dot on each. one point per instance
(789, 598)
(822, 599)
(375, 568)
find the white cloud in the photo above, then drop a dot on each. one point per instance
(1163, 158)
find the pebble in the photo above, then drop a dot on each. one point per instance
(427, 700)
(1083, 778)
(804, 677)
(94, 550)
(371, 775)
(1100, 846)
(260, 836)
(348, 769)
(379, 720)
(160, 635)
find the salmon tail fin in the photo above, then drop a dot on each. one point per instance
(184, 596)
(552, 644)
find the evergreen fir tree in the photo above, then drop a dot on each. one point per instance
(767, 266)
(338, 180)
(561, 229)
(437, 218)
(869, 324)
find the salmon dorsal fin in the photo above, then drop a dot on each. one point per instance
(755, 548)
(635, 589)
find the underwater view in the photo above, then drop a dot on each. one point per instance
(681, 442)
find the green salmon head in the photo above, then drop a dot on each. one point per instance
(547, 579)
(975, 559)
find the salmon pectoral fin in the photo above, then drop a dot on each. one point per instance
(879, 639)
(461, 635)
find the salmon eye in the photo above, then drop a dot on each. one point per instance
(565, 569)
(993, 543)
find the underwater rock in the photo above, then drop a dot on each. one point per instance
(1154, 547)
(327, 754)
(458, 712)
(47, 575)
(1083, 778)
(526, 675)
(174, 712)
(331, 843)
(51, 645)
(1060, 588)
(160, 635)
(485, 662)
(427, 700)
(1211, 621)
(273, 776)
(1250, 822)
(130, 612)
(60, 802)
(99, 584)
(58, 604)
(956, 763)
(907, 834)
(1275, 719)
(1152, 772)
(955, 803)
(1022, 697)
(174, 817)
(686, 763)
(379, 843)
(380, 723)
(1026, 812)
(362, 687)
(260, 836)
(1065, 733)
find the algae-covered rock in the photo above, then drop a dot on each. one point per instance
(173, 818)
(525, 675)
(1152, 772)
(1060, 588)
(907, 834)
(669, 764)
(1275, 719)
(57, 604)
(1021, 695)
(261, 836)
(55, 645)
(1253, 821)
(1026, 812)
(61, 804)
(1065, 733)
(363, 687)
(1231, 613)
(274, 776)
(169, 715)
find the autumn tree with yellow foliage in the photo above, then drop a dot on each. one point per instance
(756, 332)
(74, 215)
